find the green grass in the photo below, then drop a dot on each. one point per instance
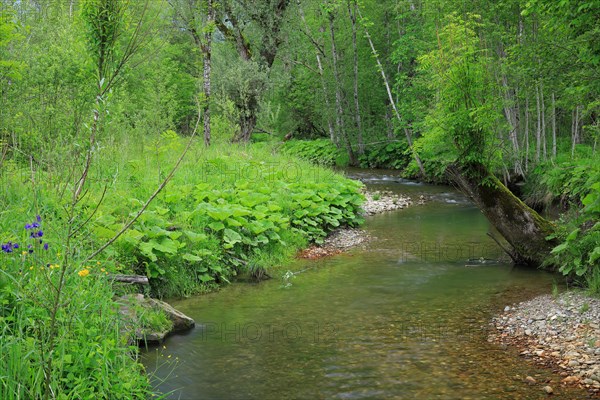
(229, 211)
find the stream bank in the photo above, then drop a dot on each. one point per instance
(340, 240)
(561, 332)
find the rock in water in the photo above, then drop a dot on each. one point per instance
(132, 305)
(181, 322)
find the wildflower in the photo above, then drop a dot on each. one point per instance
(38, 218)
(40, 233)
(84, 272)
(45, 246)
(102, 269)
(28, 226)
(9, 247)
(24, 252)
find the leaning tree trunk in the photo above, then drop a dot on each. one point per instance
(523, 228)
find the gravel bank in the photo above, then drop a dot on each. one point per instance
(342, 239)
(561, 332)
(382, 201)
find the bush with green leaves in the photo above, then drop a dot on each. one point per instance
(565, 182)
(319, 151)
(392, 155)
(579, 252)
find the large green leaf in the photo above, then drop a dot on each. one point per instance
(231, 236)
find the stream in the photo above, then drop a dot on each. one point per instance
(402, 317)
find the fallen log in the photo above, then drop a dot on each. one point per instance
(523, 228)
(131, 279)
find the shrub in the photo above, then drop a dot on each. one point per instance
(320, 151)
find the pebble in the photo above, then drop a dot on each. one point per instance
(531, 380)
(386, 201)
(557, 333)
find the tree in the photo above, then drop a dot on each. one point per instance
(198, 18)
(465, 111)
(253, 28)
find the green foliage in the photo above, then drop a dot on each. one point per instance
(465, 111)
(386, 155)
(82, 339)
(10, 69)
(226, 214)
(579, 252)
(319, 151)
(568, 181)
(105, 22)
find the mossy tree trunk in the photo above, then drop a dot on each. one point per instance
(523, 228)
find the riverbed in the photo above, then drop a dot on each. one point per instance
(404, 316)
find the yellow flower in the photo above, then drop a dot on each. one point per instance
(31, 267)
(102, 269)
(84, 272)
(24, 253)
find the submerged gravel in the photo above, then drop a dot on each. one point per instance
(342, 239)
(562, 332)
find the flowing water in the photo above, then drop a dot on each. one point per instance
(403, 317)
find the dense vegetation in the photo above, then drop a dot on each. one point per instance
(103, 102)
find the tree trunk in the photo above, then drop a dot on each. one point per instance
(523, 228)
(361, 146)
(575, 131)
(526, 133)
(510, 112)
(538, 132)
(545, 149)
(338, 95)
(553, 126)
(206, 73)
(247, 125)
(318, 50)
(391, 97)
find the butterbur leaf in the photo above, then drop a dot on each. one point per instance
(231, 236)
(191, 257)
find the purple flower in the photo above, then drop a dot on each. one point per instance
(39, 219)
(35, 225)
(28, 226)
(45, 246)
(40, 234)
(9, 246)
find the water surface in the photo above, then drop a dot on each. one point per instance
(404, 317)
